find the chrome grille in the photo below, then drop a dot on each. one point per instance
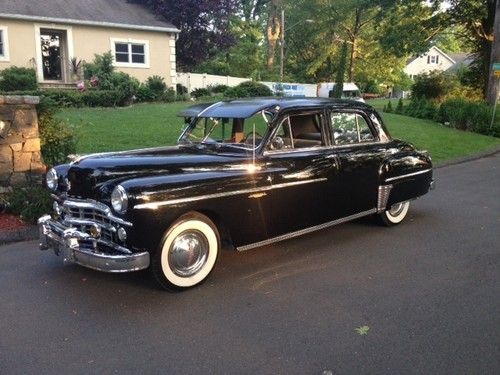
(88, 215)
(383, 197)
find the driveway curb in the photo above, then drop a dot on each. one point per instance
(466, 159)
(28, 233)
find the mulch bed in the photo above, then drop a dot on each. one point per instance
(10, 222)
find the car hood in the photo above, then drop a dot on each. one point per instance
(94, 176)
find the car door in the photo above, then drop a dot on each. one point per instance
(360, 154)
(303, 169)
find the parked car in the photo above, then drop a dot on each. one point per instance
(349, 91)
(245, 172)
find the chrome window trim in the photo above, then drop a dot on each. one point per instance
(306, 230)
(408, 175)
(155, 205)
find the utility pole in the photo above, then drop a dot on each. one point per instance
(491, 93)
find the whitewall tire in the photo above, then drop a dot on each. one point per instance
(395, 214)
(188, 252)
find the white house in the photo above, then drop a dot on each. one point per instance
(434, 59)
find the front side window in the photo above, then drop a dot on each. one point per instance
(130, 53)
(242, 133)
(350, 128)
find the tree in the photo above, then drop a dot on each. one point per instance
(339, 79)
(273, 31)
(204, 26)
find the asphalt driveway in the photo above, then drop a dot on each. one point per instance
(427, 293)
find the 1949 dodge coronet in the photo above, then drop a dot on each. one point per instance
(245, 173)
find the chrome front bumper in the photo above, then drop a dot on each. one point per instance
(81, 248)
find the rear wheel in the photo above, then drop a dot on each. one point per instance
(394, 214)
(187, 254)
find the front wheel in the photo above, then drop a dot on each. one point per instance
(394, 214)
(187, 254)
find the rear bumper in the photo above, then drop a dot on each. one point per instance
(81, 248)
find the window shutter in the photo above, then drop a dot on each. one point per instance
(437, 59)
(428, 59)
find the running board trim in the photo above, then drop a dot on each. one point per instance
(306, 230)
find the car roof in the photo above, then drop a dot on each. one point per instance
(244, 108)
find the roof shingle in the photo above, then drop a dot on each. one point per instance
(113, 12)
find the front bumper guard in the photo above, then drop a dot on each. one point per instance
(68, 243)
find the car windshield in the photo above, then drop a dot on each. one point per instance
(237, 132)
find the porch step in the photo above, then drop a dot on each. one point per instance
(58, 85)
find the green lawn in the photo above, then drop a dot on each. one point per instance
(149, 125)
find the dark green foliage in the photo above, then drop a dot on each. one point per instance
(145, 94)
(467, 115)
(217, 89)
(200, 92)
(421, 108)
(57, 139)
(157, 86)
(399, 107)
(248, 89)
(29, 203)
(341, 69)
(170, 95)
(101, 67)
(181, 89)
(434, 85)
(16, 78)
(389, 109)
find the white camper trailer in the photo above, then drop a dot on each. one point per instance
(350, 91)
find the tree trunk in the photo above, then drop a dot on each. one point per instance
(273, 32)
(491, 92)
(352, 60)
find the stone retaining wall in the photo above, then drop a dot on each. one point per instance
(20, 157)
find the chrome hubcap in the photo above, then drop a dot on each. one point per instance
(188, 253)
(396, 209)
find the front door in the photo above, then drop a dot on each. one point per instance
(53, 54)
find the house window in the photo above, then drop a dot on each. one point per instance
(4, 44)
(130, 53)
(433, 59)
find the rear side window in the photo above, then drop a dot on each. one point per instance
(350, 128)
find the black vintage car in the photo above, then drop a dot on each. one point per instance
(244, 173)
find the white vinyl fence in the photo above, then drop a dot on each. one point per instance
(195, 81)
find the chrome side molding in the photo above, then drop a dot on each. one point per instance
(306, 230)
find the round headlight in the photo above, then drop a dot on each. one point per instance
(119, 199)
(51, 179)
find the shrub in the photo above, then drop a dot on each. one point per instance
(144, 94)
(434, 85)
(169, 95)
(200, 92)
(16, 78)
(218, 88)
(29, 203)
(157, 86)
(248, 89)
(57, 139)
(389, 109)
(399, 107)
(421, 108)
(467, 115)
(181, 89)
(101, 66)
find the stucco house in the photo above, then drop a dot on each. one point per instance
(435, 59)
(48, 34)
